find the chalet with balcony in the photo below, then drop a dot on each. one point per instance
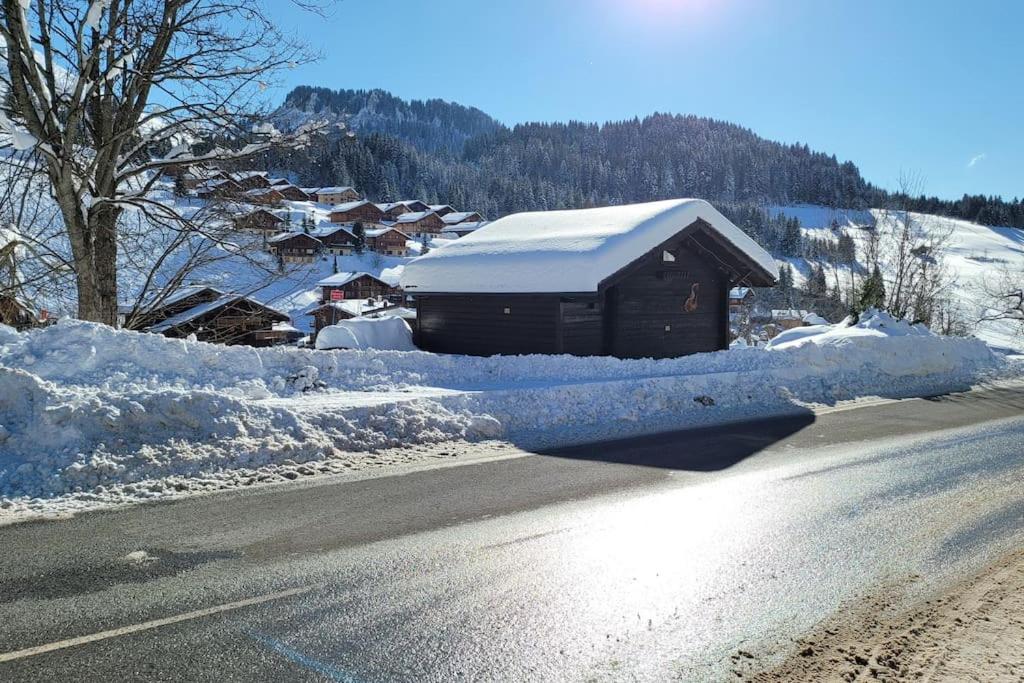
(295, 247)
(387, 241)
(355, 286)
(336, 195)
(261, 221)
(337, 239)
(359, 211)
(420, 223)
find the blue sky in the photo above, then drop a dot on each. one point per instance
(932, 88)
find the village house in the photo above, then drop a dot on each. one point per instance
(440, 209)
(335, 311)
(17, 313)
(260, 220)
(278, 182)
(420, 223)
(392, 210)
(292, 193)
(218, 189)
(359, 211)
(636, 281)
(263, 195)
(295, 247)
(740, 301)
(336, 195)
(337, 239)
(461, 229)
(215, 316)
(251, 180)
(387, 241)
(355, 286)
(456, 217)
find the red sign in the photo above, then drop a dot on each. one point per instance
(337, 295)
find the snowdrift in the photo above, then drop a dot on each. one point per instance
(385, 334)
(92, 416)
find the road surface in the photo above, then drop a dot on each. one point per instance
(649, 559)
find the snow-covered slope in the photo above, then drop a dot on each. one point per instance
(973, 252)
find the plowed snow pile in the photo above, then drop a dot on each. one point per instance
(95, 416)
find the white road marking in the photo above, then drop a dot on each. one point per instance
(147, 625)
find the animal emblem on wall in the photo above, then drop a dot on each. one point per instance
(690, 305)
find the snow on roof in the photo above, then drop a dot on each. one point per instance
(458, 216)
(789, 314)
(566, 251)
(355, 307)
(283, 236)
(329, 229)
(467, 226)
(377, 232)
(342, 279)
(241, 175)
(194, 312)
(412, 216)
(347, 206)
(738, 292)
(186, 292)
(256, 192)
(438, 207)
(335, 190)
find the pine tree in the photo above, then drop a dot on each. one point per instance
(179, 185)
(872, 292)
(360, 234)
(817, 285)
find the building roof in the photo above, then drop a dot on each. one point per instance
(342, 279)
(466, 226)
(458, 216)
(335, 190)
(439, 207)
(573, 251)
(258, 191)
(739, 292)
(412, 216)
(204, 308)
(285, 236)
(348, 206)
(354, 307)
(377, 232)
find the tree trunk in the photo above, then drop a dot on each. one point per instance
(103, 225)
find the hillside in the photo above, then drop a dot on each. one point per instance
(431, 125)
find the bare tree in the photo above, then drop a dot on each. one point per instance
(1001, 297)
(109, 94)
(911, 257)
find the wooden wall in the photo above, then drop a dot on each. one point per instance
(647, 316)
(478, 325)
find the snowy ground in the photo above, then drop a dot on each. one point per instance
(973, 252)
(93, 416)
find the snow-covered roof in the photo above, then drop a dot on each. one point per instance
(259, 191)
(467, 226)
(569, 251)
(789, 314)
(284, 236)
(335, 190)
(342, 279)
(440, 207)
(347, 206)
(412, 216)
(738, 292)
(203, 308)
(355, 306)
(377, 232)
(242, 175)
(457, 216)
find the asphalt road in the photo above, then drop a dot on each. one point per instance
(648, 559)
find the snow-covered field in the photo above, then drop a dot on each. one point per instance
(972, 253)
(93, 416)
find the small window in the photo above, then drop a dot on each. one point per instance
(668, 257)
(668, 328)
(508, 311)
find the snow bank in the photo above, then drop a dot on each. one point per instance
(90, 415)
(386, 334)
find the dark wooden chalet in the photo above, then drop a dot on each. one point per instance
(215, 316)
(295, 247)
(337, 239)
(260, 220)
(335, 311)
(351, 286)
(251, 180)
(350, 212)
(420, 223)
(387, 241)
(17, 313)
(218, 188)
(336, 195)
(440, 209)
(639, 281)
(292, 193)
(263, 195)
(392, 210)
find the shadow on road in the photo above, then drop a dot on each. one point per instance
(705, 449)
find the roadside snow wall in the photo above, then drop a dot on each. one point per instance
(95, 414)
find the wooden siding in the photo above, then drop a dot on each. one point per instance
(648, 315)
(478, 325)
